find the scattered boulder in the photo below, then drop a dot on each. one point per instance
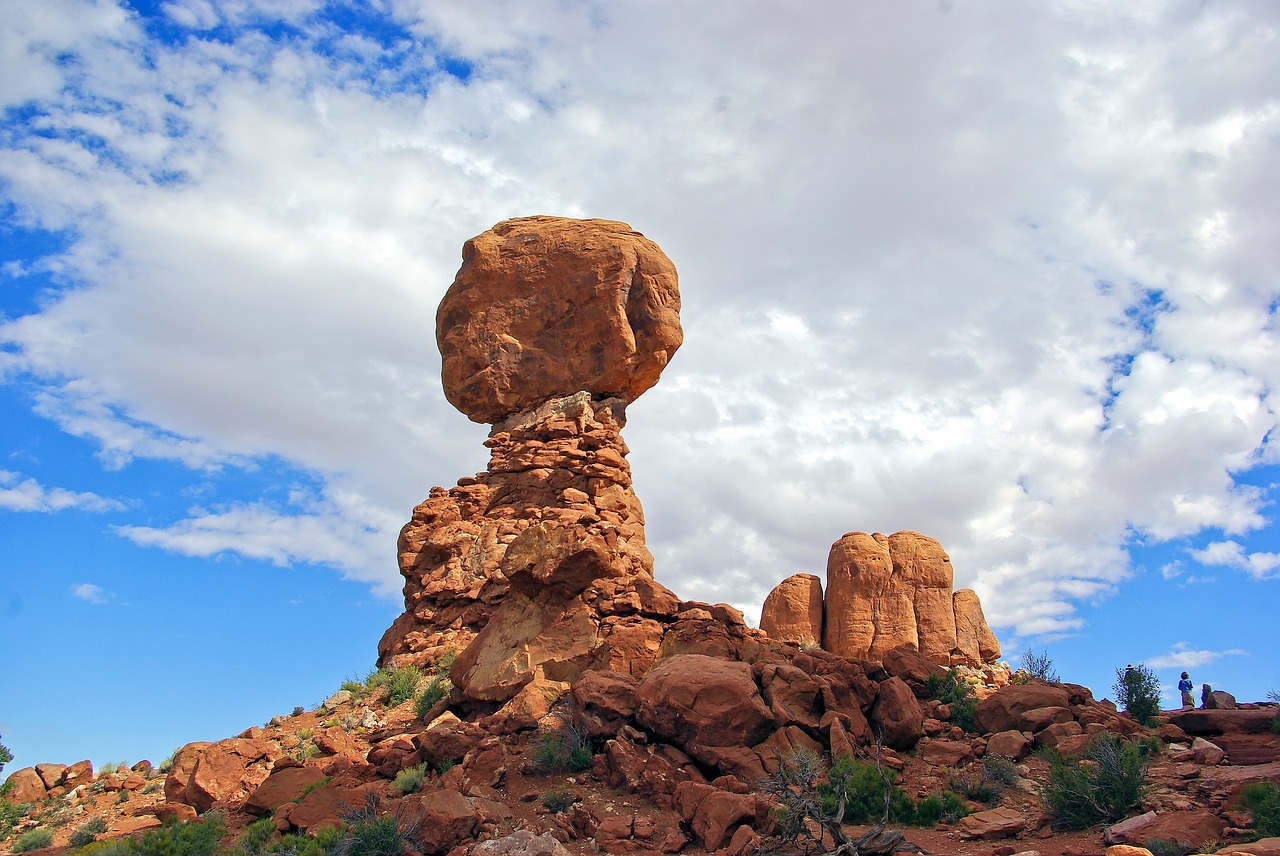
(445, 818)
(991, 824)
(521, 843)
(282, 786)
(793, 611)
(702, 703)
(896, 715)
(1003, 709)
(25, 786)
(226, 772)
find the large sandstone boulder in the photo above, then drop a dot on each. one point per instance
(1003, 710)
(546, 306)
(702, 704)
(793, 611)
(228, 771)
(25, 786)
(896, 715)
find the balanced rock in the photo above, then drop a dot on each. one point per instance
(793, 611)
(543, 307)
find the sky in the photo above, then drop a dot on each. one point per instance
(1003, 274)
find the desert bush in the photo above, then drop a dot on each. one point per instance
(1102, 787)
(179, 838)
(1137, 692)
(33, 839)
(10, 813)
(5, 755)
(563, 749)
(402, 684)
(1039, 666)
(436, 689)
(1000, 771)
(410, 779)
(974, 785)
(558, 800)
(868, 794)
(945, 807)
(1165, 847)
(369, 834)
(1262, 800)
(954, 691)
(87, 832)
(257, 836)
(323, 841)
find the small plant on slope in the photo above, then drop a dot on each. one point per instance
(1262, 799)
(88, 831)
(564, 749)
(5, 755)
(410, 779)
(402, 684)
(1137, 691)
(956, 693)
(33, 839)
(436, 689)
(1104, 787)
(1039, 666)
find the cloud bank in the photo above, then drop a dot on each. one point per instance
(1005, 277)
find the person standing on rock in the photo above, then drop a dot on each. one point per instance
(1185, 686)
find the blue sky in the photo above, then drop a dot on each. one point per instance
(1006, 276)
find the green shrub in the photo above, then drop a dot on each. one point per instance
(565, 749)
(379, 836)
(1000, 771)
(445, 661)
(87, 832)
(1039, 667)
(5, 755)
(402, 684)
(178, 838)
(1262, 799)
(1103, 788)
(1165, 847)
(323, 841)
(436, 689)
(558, 800)
(954, 691)
(257, 836)
(10, 813)
(119, 847)
(33, 839)
(864, 788)
(945, 807)
(410, 779)
(1137, 692)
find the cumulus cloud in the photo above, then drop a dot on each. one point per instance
(1003, 282)
(1232, 554)
(1183, 656)
(90, 592)
(323, 533)
(26, 494)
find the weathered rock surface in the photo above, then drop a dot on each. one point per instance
(702, 704)
(793, 611)
(887, 591)
(543, 307)
(227, 771)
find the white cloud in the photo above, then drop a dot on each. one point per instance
(322, 533)
(1231, 554)
(1183, 656)
(1003, 282)
(26, 494)
(89, 592)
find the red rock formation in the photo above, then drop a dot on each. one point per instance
(793, 611)
(543, 307)
(884, 592)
